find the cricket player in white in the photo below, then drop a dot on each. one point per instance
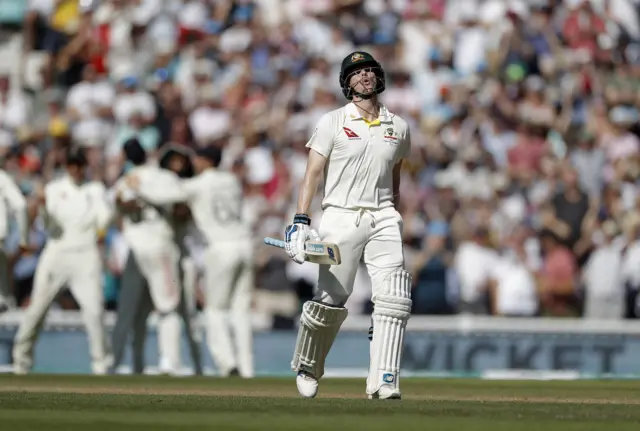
(358, 151)
(146, 196)
(10, 199)
(75, 212)
(215, 199)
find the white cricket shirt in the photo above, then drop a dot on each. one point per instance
(75, 213)
(159, 189)
(215, 199)
(360, 157)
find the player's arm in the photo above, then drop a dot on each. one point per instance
(123, 198)
(18, 205)
(396, 185)
(320, 144)
(48, 204)
(166, 189)
(312, 176)
(190, 188)
(103, 211)
(405, 149)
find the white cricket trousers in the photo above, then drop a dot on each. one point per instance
(229, 281)
(159, 264)
(375, 235)
(81, 270)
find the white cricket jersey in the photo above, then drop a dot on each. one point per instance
(151, 225)
(215, 198)
(75, 213)
(11, 199)
(360, 157)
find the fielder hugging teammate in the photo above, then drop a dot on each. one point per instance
(357, 150)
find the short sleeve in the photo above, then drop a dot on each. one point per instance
(322, 138)
(405, 145)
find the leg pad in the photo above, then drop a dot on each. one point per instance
(391, 312)
(319, 326)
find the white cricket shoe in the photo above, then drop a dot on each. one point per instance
(307, 385)
(386, 392)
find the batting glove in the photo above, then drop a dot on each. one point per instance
(296, 234)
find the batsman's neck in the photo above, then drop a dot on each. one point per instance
(368, 108)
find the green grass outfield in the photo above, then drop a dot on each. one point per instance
(123, 403)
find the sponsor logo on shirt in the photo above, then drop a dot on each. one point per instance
(350, 133)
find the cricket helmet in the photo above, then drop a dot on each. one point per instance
(352, 63)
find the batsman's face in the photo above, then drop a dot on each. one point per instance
(363, 80)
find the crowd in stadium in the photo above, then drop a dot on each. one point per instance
(520, 197)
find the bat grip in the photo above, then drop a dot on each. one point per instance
(274, 242)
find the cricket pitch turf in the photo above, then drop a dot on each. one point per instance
(126, 403)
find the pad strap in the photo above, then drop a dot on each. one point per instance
(319, 326)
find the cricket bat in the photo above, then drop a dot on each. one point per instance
(320, 252)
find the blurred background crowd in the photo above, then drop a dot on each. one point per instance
(519, 199)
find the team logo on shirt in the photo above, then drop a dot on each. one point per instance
(389, 136)
(350, 133)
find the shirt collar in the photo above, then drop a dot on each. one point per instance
(352, 113)
(71, 181)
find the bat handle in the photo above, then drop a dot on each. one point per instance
(274, 242)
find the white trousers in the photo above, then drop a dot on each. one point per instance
(160, 267)
(81, 270)
(375, 235)
(229, 281)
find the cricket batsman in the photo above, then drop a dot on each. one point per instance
(75, 212)
(356, 151)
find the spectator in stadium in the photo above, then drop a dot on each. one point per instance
(430, 274)
(521, 112)
(557, 280)
(473, 262)
(604, 290)
(631, 264)
(513, 283)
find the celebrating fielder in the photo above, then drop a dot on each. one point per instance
(215, 198)
(75, 212)
(149, 233)
(358, 151)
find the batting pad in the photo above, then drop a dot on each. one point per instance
(391, 312)
(319, 325)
